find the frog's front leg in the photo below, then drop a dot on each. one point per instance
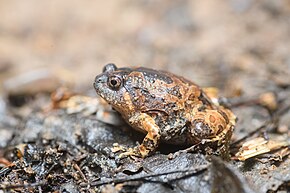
(144, 122)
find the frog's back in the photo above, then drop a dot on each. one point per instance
(152, 75)
(160, 91)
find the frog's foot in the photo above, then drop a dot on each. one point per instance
(117, 148)
(191, 149)
(125, 152)
(131, 152)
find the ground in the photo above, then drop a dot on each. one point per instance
(240, 47)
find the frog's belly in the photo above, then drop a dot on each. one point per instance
(179, 140)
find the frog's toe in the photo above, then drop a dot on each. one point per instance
(118, 148)
(131, 152)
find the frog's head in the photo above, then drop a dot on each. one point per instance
(110, 86)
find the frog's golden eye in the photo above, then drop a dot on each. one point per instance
(115, 82)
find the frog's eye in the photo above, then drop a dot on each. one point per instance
(115, 82)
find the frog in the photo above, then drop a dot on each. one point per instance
(167, 108)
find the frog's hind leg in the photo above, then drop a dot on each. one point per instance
(210, 133)
(214, 129)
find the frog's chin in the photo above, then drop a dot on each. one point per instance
(102, 95)
(99, 89)
(104, 92)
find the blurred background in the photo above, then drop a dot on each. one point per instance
(239, 46)
(242, 47)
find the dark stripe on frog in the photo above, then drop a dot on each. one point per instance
(204, 99)
(175, 91)
(149, 74)
(224, 116)
(152, 75)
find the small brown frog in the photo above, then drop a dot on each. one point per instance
(167, 108)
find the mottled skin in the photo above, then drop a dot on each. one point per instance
(167, 108)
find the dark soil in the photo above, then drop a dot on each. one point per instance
(240, 47)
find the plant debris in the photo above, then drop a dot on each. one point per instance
(56, 135)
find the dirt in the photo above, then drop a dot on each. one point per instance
(240, 47)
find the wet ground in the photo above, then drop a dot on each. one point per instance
(239, 46)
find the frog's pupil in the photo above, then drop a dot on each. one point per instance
(114, 82)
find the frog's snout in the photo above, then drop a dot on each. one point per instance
(101, 79)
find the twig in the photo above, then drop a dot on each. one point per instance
(267, 123)
(237, 102)
(80, 171)
(14, 186)
(5, 170)
(192, 172)
(49, 170)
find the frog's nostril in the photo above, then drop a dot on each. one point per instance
(101, 79)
